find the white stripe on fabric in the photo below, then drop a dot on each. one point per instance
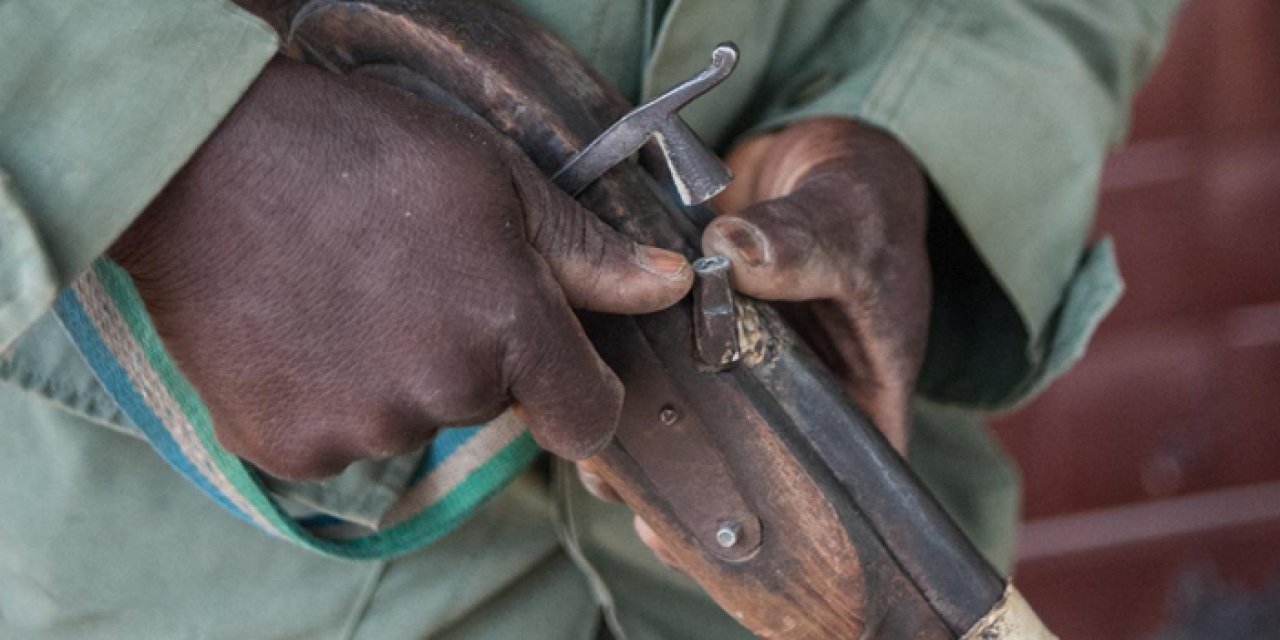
(101, 309)
(467, 458)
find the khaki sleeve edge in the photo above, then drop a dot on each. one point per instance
(101, 103)
(27, 281)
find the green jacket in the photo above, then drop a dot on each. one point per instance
(1009, 104)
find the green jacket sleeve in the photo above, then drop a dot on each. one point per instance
(101, 101)
(1011, 107)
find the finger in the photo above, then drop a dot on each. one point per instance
(598, 268)
(563, 391)
(778, 251)
(748, 161)
(594, 483)
(650, 539)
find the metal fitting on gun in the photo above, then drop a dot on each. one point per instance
(715, 323)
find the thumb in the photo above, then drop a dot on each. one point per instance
(598, 268)
(567, 396)
(777, 251)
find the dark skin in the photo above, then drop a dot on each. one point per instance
(342, 270)
(830, 213)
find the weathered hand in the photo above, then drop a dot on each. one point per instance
(831, 213)
(343, 269)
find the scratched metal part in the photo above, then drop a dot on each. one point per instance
(715, 323)
(698, 173)
(777, 426)
(922, 578)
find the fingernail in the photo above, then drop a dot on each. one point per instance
(745, 239)
(667, 264)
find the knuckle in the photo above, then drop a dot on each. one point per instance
(521, 357)
(504, 324)
(514, 317)
(557, 231)
(551, 234)
(789, 228)
(527, 331)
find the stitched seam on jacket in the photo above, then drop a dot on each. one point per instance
(64, 407)
(899, 73)
(363, 601)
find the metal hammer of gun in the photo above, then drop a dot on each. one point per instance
(742, 452)
(697, 174)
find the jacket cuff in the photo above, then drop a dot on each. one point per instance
(27, 280)
(104, 100)
(1010, 108)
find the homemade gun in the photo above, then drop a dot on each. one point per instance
(736, 445)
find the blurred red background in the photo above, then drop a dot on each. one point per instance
(1152, 471)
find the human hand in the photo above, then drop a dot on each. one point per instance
(831, 213)
(342, 269)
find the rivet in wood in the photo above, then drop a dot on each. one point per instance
(727, 534)
(669, 414)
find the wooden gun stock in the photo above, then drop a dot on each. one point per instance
(771, 489)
